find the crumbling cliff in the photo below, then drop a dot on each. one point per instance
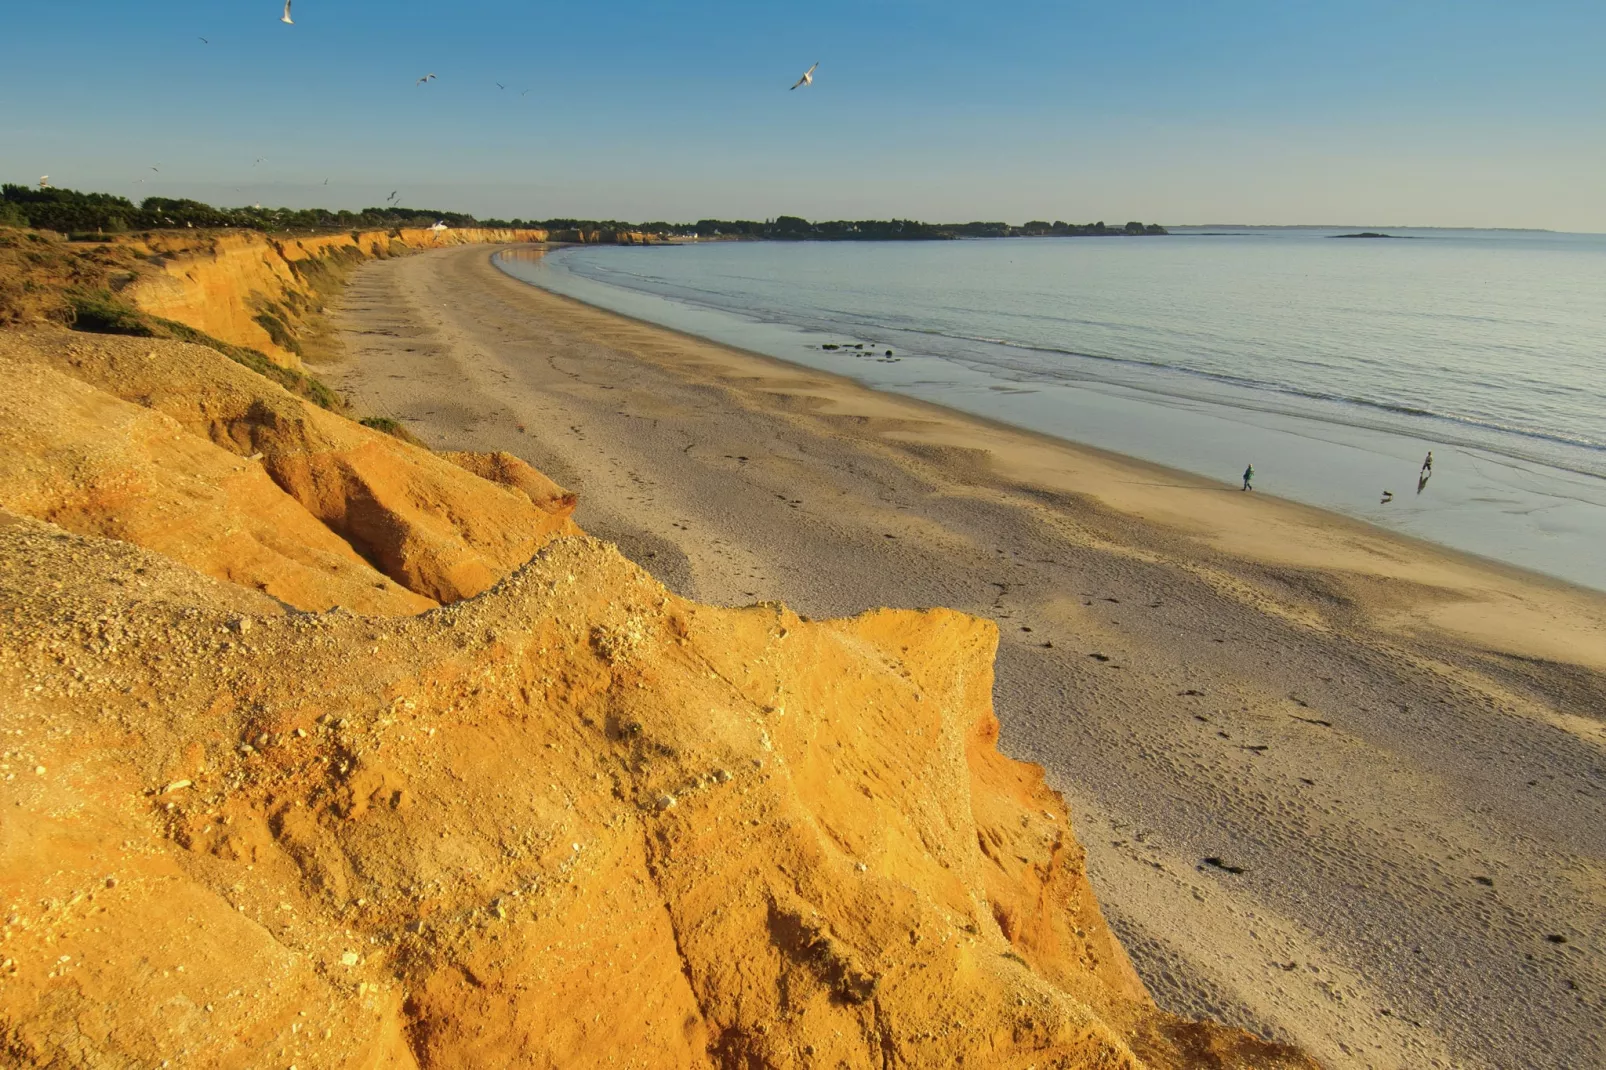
(323, 750)
(254, 290)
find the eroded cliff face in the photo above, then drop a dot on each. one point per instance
(607, 237)
(254, 290)
(568, 819)
(178, 449)
(575, 821)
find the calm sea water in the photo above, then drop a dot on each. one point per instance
(1328, 362)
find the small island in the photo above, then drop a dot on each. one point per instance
(1366, 234)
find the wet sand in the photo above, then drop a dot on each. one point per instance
(1335, 785)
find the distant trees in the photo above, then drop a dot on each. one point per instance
(88, 214)
(72, 212)
(796, 228)
(65, 210)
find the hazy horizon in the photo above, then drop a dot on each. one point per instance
(1444, 115)
(310, 199)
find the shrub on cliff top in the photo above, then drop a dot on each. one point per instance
(278, 332)
(99, 312)
(394, 428)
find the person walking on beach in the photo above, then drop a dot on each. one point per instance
(1427, 464)
(1249, 474)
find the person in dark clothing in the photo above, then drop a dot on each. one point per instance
(1427, 465)
(1249, 474)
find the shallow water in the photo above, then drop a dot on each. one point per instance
(1331, 364)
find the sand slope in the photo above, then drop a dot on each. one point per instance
(1395, 751)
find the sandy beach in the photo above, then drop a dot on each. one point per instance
(1336, 786)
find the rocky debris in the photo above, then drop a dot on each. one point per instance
(405, 844)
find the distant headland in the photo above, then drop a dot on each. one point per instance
(72, 212)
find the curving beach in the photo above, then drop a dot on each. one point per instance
(1340, 787)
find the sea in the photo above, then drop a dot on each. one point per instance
(1332, 364)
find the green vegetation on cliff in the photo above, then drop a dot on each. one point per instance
(76, 285)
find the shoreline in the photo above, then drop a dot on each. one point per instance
(1364, 724)
(1302, 513)
(1541, 517)
(1316, 515)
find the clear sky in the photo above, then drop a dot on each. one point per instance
(1393, 112)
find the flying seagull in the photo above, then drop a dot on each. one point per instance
(285, 18)
(260, 159)
(158, 170)
(392, 196)
(204, 41)
(807, 79)
(326, 181)
(499, 85)
(426, 78)
(525, 93)
(44, 181)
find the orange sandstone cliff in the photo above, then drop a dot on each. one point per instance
(322, 750)
(255, 290)
(177, 448)
(252, 289)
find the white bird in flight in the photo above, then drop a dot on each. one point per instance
(426, 78)
(807, 79)
(260, 159)
(285, 18)
(44, 181)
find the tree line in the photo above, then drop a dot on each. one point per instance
(92, 214)
(74, 213)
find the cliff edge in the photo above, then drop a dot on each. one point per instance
(525, 807)
(256, 290)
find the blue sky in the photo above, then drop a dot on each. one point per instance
(1262, 111)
